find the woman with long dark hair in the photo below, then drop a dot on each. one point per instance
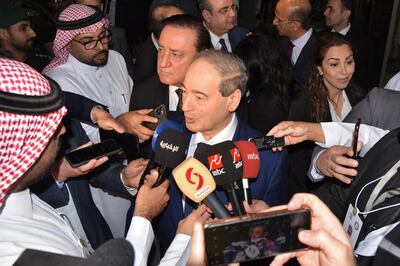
(331, 89)
(267, 99)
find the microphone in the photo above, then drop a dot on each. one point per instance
(225, 164)
(196, 182)
(169, 148)
(112, 253)
(251, 165)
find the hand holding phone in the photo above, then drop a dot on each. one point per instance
(251, 237)
(82, 156)
(160, 112)
(355, 138)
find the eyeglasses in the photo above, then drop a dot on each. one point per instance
(224, 11)
(284, 20)
(89, 45)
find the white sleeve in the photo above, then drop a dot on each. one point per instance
(141, 236)
(314, 174)
(178, 251)
(342, 134)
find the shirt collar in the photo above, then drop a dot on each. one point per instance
(225, 134)
(215, 38)
(153, 39)
(18, 204)
(343, 31)
(300, 42)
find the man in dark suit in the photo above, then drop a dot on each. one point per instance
(220, 20)
(337, 17)
(213, 86)
(181, 38)
(146, 58)
(293, 21)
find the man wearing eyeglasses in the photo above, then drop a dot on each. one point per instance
(83, 64)
(293, 22)
(220, 20)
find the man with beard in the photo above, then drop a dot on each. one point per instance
(17, 37)
(83, 64)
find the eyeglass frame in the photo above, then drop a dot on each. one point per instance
(96, 41)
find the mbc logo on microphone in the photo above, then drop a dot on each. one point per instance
(215, 163)
(237, 159)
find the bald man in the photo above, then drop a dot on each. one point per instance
(293, 22)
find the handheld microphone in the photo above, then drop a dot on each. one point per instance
(225, 164)
(251, 165)
(196, 182)
(169, 146)
(112, 253)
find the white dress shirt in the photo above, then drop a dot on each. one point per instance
(299, 44)
(111, 86)
(394, 83)
(345, 109)
(342, 134)
(215, 41)
(173, 98)
(28, 222)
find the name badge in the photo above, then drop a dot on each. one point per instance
(352, 224)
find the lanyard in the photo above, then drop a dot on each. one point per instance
(372, 199)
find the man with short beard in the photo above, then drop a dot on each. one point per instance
(17, 38)
(83, 64)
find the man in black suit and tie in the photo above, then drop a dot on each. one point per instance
(220, 20)
(293, 21)
(337, 16)
(146, 58)
(182, 37)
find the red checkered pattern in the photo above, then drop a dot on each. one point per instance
(63, 37)
(22, 137)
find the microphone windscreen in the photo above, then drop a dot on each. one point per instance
(171, 148)
(250, 157)
(223, 161)
(166, 124)
(194, 179)
(112, 253)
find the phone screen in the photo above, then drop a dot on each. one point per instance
(79, 157)
(256, 237)
(355, 137)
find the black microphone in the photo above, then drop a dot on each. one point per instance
(115, 252)
(225, 164)
(164, 126)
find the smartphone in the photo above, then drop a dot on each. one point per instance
(268, 142)
(128, 141)
(355, 138)
(82, 156)
(160, 112)
(253, 237)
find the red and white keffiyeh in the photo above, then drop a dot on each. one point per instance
(63, 37)
(23, 138)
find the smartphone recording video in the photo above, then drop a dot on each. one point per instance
(247, 238)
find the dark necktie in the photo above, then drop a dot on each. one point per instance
(290, 50)
(223, 45)
(179, 106)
